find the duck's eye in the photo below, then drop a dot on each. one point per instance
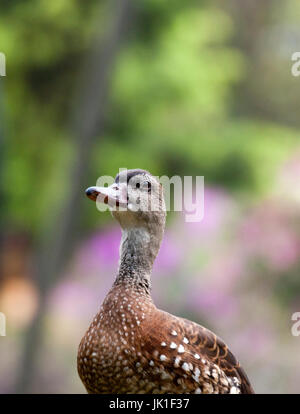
(148, 186)
(137, 185)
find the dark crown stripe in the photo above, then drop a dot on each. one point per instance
(131, 173)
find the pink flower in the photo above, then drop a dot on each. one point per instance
(268, 235)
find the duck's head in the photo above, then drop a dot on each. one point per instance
(135, 199)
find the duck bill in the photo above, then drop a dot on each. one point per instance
(108, 195)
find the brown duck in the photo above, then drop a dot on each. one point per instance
(131, 346)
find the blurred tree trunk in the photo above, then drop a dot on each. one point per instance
(87, 120)
(251, 18)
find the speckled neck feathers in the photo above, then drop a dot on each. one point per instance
(138, 250)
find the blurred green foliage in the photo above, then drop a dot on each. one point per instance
(173, 102)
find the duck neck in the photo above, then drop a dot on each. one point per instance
(138, 250)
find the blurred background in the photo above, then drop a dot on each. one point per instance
(178, 88)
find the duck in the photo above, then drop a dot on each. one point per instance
(131, 346)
